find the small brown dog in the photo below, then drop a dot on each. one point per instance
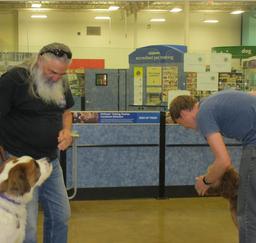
(227, 187)
(18, 179)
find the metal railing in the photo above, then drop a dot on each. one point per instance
(73, 185)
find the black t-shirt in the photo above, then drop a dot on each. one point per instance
(28, 126)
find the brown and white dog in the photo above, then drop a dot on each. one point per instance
(18, 178)
(227, 187)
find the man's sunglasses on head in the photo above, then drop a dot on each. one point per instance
(58, 53)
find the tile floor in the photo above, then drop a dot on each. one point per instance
(179, 220)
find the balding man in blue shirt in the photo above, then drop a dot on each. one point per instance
(230, 114)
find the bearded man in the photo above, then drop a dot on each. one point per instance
(35, 121)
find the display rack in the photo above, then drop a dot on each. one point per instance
(10, 59)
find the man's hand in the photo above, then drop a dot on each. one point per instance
(200, 186)
(64, 139)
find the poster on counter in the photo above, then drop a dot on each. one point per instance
(220, 62)
(138, 86)
(129, 117)
(154, 76)
(207, 81)
(115, 117)
(195, 62)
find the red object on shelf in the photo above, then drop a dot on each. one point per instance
(87, 63)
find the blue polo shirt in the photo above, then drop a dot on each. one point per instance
(232, 113)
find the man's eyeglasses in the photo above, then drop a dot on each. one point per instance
(58, 53)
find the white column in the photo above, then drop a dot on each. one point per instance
(135, 31)
(110, 31)
(186, 23)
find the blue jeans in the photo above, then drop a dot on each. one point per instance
(52, 195)
(247, 196)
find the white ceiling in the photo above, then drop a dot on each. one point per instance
(132, 6)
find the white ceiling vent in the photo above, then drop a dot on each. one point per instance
(93, 30)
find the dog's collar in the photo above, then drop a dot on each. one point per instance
(9, 199)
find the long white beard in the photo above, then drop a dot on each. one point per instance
(48, 90)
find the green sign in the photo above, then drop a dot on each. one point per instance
(237, 51)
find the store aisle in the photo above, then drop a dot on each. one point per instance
(182, 220)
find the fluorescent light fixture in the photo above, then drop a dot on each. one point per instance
(36, 5)
(154, 10)
(102, 17)
(237, 12)
(39, 16)
(99, 9)
(211, 21)
(113, 8)
(157, 20)
(175, 10)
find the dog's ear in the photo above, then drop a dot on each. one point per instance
(17, 182)
(230, 183)
(2, 154)
(3, 186)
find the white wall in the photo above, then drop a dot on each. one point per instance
(115, 44)
(8, 31)
(63, 27)
(204, 36)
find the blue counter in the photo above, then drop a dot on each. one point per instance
(188, 155)
(116, 156)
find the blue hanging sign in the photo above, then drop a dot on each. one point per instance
(158, 54)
